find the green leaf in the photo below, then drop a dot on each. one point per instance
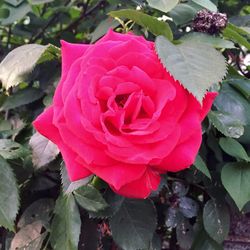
(37, 2)
(12, 150)
(66, 224)
(155, 26)
(214, 41)
(206, 4)
(234, 103)
(4, 13)
(18, 63)
(16, 13)
(103, 27)
(242, 85)
(235, 178)
(43, 150)
(216, 220)
(134, 224)
(22, 97)
(226, 124)
(190, 63)
(9, 197)
(68, 186)
(233, 148)
(237, 35)
(50, 53)
(163, 5)
(201, 166)
(90, 198)
(182, 13)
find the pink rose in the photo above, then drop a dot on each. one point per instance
(119, 115)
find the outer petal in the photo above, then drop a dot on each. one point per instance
(142, 187)
(44, 126)
(207, 103)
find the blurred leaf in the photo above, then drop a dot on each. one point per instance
(179, 188)
(190, 63)
(188, 207)
(66, 224)
(201, 166)
(235, 178)
(207, 4)
(103, 27)
(4, 13)
(173, 217)
(68, 186)
(182, 13)
(234, 148)
(14, 3)
(18, 63)
(226, 124)
(204, 242)
(40, 210)
(16, 13)
(163, 5)
(12, 150)
(36, 2)
(155, 26)
(242, 85)
(214, 41)
(29, 237)
(185, 234)
(22, 97)
(134, 224)
(9, 197)
(236, 35)
(90, 198)
(43, 150)
(232, 102)
(216, 220)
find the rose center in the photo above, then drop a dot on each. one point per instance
(121, 100)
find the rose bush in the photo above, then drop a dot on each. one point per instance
(117, 113)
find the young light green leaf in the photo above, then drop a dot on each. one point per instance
(66, 225)
(216, 220)
(163, 5)
(155, 26)
(201, 166)
(214, 41)
(12, 150)
(90, 198)
(43, 150)
(134, 224)
(235, 178)
(234, 148)
(9, 197)
(226, 124)
(190, 63)
(206, 4)
(18, 63)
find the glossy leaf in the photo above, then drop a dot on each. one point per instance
(201, 166)
(163, 5)
(207, 4)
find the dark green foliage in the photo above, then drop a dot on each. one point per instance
(41, 209)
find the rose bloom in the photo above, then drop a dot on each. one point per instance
(117, 113)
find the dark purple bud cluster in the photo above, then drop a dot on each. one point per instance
(209, 22)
